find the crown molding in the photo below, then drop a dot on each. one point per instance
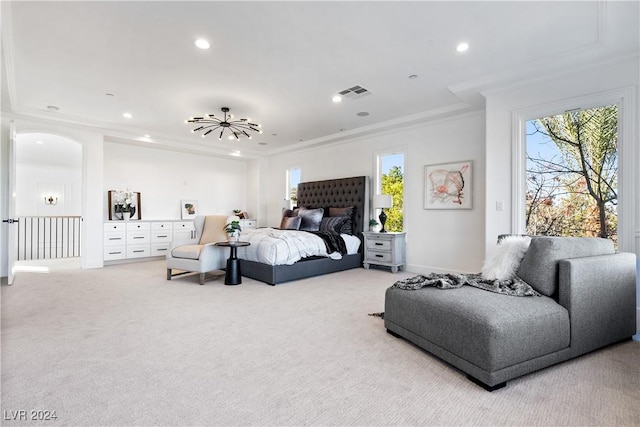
(393, 124)
(388, 131)
(126, 136)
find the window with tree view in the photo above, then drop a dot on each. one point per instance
(572, 174)
(294, 176)
(391, 167)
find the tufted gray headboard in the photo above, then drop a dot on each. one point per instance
(338, 193)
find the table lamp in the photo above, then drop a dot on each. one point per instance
(382, 201)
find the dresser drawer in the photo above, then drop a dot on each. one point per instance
(135, 226)
(160, 236)
(115, 252)
(159, 249)
(375, 256)
(183, 225)
(379, 244)
(114, 226)
(138, 237)
(114, 238)
(138, 251)
(162, 226)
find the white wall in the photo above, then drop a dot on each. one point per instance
(163, 178)
(34, 182)
(256, 191)
(444, 240)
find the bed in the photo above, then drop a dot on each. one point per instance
(336, 193)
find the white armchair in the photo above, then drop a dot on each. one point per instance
(199, 254)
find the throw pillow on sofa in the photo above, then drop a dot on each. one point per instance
(503, 261)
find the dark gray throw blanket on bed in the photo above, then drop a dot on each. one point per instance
(332, 241)
(515, 287)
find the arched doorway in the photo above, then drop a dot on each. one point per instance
(48, 202)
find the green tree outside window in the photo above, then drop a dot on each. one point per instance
(393, 184)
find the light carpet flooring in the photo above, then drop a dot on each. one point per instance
(122, 346)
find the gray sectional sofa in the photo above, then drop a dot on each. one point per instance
(588, 301)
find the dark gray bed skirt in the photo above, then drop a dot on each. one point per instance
(274, 274)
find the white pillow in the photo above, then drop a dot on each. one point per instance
(503, 261)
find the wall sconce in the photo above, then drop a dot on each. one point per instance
(50, 200)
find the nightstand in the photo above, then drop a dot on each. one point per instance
(386, 249)
(248, 224)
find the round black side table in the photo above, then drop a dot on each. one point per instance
(233, 276)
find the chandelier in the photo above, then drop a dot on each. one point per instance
(235, 128)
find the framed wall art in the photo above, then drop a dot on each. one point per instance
(188, 209)
(124, 205)
(448, 185)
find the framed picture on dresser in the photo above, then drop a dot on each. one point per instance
(124, 205)
(188, 209)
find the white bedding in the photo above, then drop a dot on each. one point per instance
(285, 247)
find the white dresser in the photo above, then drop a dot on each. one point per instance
(142, 239)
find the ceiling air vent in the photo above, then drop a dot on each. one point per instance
(353, 92)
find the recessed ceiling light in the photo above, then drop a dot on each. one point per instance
(413, 76)
(262, 143)
(40, 142)
(109, 94)
(462, 47)
(202, 44)
(147, 136)
(362, 114)
(337, 98)
(52, 108)
(127, 115)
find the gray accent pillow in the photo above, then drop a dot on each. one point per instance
(311, 218)
(290, 223)
(348, 213)
(332, 224)
(539, 267)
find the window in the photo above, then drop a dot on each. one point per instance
(294, 176)
(390, 180)
(572, 173)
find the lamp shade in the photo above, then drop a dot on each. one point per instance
(382, 201)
